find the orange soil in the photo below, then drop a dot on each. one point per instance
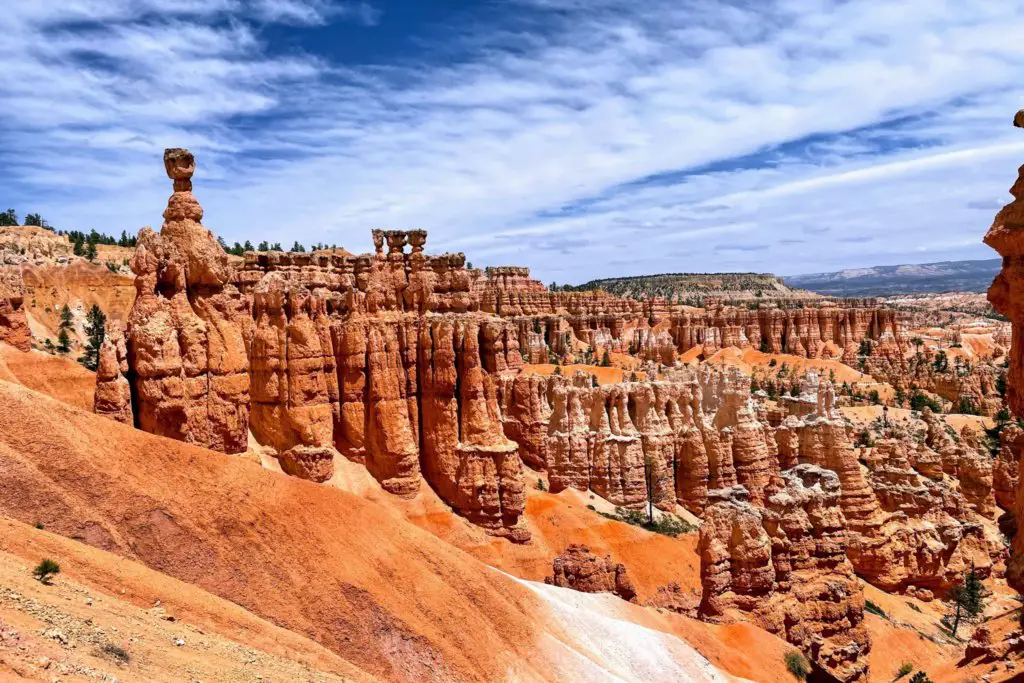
(604, 375)
(391, 600)
(56, 376)
(748, 359)
(101, 598)
(863, 415)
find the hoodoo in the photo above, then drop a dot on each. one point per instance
(1006, 236)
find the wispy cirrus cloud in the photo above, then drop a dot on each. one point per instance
(793, 135)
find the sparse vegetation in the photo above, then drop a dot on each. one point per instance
(904, 670)
(920, 677)
(666, 524)
(540, 485)
(117, 652)
(967, 598)
(875, 609)
(45, 571)
(797, 665)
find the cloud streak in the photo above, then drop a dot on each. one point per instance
(795, 135)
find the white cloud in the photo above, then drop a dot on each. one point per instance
(566, 109)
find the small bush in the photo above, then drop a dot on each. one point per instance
(920, 677)
(914, 607)
(904, 669)
(117, 652)
(40, 526)
(875, 609)
(797, 665)
(540, 485)
(45, 570)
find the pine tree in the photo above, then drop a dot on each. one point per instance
(34, 219)
(95, 330)
(77, 246)
(298, 247)
(90, 251)
(65, 317)
(264, 245)
(63, 341)
(8, 218)
(606, 359)
(968, 598)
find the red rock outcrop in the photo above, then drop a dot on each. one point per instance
(582, 570)
(785, 567)
(190, 377)
(13, 324)
(320, 354)
(1006, 294)
(113, 397)
(1005, 469)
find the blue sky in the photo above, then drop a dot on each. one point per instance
(582, 138)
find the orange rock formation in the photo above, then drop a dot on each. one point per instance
(582, 570)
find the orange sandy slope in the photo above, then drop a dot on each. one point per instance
(391, 600)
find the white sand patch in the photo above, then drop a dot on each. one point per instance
(598, 642)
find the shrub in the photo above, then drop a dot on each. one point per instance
(772, 363)
(40, 526)
(920, 677)
(875, 609)
(116, 651)
(540, 484)
(904, 669)
(45, 570)
(666, 525)
(797, 665)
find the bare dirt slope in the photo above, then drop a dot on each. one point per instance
(390, 599)
(107, 616)
(56, 376)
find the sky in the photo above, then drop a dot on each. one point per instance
(580, 138)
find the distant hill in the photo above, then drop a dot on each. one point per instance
(697, 286)
(945, 276)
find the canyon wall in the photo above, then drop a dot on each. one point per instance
(1006, 294)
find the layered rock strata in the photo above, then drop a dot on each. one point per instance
(383, 358)
(784, 566)
(1006, 294)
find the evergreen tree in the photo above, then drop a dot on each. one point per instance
(90, 251)
(920, 677)
(34, 219)
(276, 246)
(264, 245)
(606, 359)
(223, 245)
(248, 246)
(8, 218)
(298, 247)
(77, 246)
(63, 341)
(65, 317)
(95, 330)
(968, 598)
